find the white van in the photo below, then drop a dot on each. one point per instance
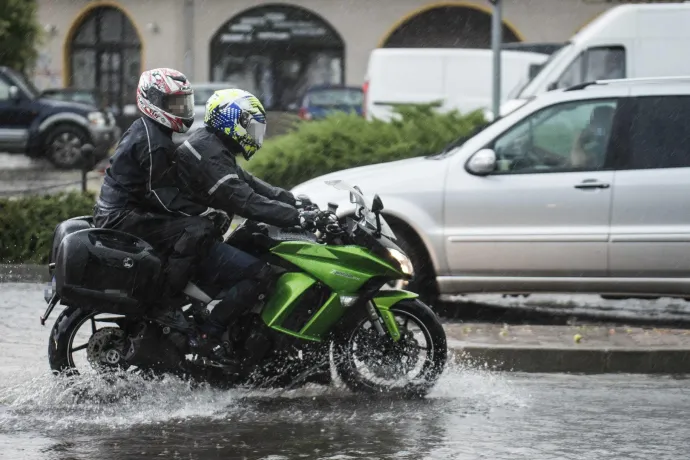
(460, 78)
(628, 41)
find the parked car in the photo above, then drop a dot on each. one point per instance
(319, 101)
(459, 78)
(83, 96)
(45, 127)
(627, 41)
(202, 92)
(583, 190)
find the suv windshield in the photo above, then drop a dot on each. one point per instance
(23, 83)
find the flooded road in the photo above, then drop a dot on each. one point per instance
(471, 414)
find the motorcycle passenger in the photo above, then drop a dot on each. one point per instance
(235, 124)
(138, 195)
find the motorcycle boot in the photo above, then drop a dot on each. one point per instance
(239, 300)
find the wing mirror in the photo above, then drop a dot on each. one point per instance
(482, 163)
(377, 205)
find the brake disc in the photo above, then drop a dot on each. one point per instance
(106, 348)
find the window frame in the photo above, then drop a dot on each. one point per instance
(612, 155)
(624, 148)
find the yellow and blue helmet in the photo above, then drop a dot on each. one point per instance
(239, 115)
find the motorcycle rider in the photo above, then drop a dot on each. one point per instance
(139, 196)
(208, 172)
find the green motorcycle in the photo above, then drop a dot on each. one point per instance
(332, 309)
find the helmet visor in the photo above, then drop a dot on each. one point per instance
(180, 105)
(257, 131)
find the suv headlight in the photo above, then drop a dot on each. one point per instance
(97, 119)
(403, 260)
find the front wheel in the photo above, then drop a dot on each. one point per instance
(370, 363)
(63, 146)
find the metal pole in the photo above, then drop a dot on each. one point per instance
(496, 40)
(188, 20)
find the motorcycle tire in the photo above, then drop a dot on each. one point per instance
(431, 369)
(66, 325)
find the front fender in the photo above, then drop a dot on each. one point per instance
(383, 301)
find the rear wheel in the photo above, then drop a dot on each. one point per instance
(370, 363)
(81, 342)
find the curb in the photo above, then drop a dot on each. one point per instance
(575, 360)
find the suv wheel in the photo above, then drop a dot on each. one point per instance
(63, 146)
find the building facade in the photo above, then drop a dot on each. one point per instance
(274, 49)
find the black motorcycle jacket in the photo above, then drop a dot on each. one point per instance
(211, 176)
(141, 174)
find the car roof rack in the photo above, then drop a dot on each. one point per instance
(629, 81)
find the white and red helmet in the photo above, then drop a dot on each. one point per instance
(165, 96)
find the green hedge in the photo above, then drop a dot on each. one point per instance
(27, 224)
(344, 141)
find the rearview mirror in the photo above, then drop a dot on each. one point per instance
(353, 198)
(482, 163)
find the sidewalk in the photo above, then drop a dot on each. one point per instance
(577, 349)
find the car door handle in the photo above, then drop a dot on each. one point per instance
(588, 184)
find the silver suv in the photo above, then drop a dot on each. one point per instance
(581, 190)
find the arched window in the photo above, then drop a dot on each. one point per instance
(105, 56)
(447, 27)
(277, 52)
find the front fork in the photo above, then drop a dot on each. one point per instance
(377, 320)
(379, 311)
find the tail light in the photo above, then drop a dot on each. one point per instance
(365, 90)
(304, 114)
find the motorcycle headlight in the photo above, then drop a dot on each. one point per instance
(403, 260)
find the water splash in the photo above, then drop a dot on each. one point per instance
(78, 402)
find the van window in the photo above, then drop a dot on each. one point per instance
(572, 136)
(605, 63)
(660, 133)
(601, 63)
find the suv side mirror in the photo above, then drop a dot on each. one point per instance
(482, 163)
(14, 93)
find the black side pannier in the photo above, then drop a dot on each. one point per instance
(106, 270)
(63, 229)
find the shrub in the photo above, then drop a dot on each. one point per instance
(344, 141)
(27, 224)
